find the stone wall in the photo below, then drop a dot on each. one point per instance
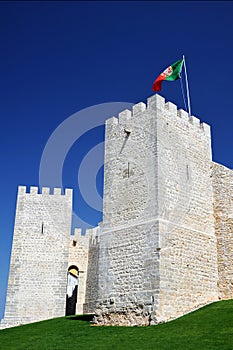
(128, 275)
(130, 176)
(78, 256)
(84, 254)
(128, 264)
(158, 216)
(223, 206)
(39, 258)
(92, 270)
(188, 255)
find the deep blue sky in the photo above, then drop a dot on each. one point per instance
(60, 57)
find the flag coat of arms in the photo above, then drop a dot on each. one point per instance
(171, 73)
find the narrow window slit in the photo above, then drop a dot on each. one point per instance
(187, 171)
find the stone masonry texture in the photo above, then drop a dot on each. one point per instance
(223, 204)
(158, 256)
(165, 246)
(39, 259)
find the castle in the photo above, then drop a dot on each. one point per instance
(165, 246)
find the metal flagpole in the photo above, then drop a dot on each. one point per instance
(182, 90)
(187, 87)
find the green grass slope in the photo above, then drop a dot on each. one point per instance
(208, 328)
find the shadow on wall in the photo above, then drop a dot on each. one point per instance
(88, 318)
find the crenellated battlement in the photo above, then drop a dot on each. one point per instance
(167, 108)
(164, 247)
(44, 191)
(78, 240)
(91, 236)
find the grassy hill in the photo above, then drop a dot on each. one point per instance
(208, 328)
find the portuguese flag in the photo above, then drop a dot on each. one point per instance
(171, 73)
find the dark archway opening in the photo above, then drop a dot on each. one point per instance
(72, 290)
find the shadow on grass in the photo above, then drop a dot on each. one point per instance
(88, 317)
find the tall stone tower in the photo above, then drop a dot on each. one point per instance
(157, 254)
(39, 259)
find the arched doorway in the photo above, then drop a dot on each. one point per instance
(72, 290)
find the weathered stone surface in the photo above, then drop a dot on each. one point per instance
(223, 204)
(157, 257)
(78, 256)
(92, 270)
(39, 259)
(165, 246)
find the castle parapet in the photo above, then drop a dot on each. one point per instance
(157, 102)
(124, 116)
(34, 190)
(138, 108)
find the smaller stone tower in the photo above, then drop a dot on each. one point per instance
(39, 259)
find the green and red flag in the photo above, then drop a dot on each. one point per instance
(171, 73)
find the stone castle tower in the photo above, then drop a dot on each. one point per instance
(158, 256)
(36, 286)
(165, 246)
